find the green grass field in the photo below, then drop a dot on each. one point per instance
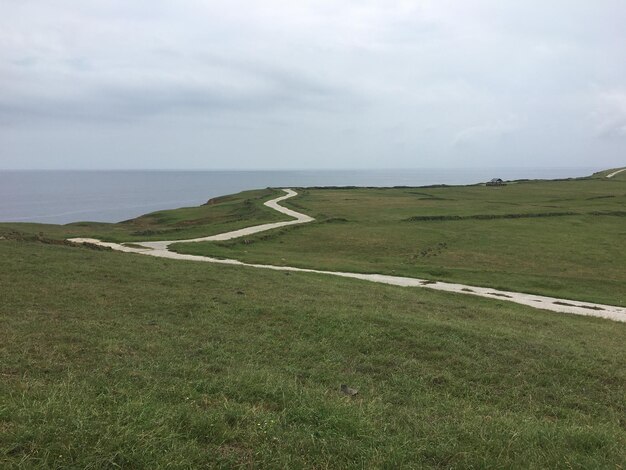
(117, 360)
(558, 238)
(113, 360)
(216, 216)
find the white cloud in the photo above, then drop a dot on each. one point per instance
(240, 78)
(610, 114)
(488, 131)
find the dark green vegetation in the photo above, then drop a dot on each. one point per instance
(216, 216)
(560, 238)
(114, 360)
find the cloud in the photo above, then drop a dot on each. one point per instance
(211, 87)
(113, 64)
(487, 131)
(610, 114)
(286, 79)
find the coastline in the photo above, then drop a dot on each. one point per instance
(71, 196)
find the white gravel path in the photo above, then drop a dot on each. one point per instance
(611, 175)
(273, 204)
(160, 249)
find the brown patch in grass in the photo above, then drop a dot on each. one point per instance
(589, 307)
(236, 451)
(500, 295)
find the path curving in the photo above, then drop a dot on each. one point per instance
(611, 175)
(272, 204)
(160, 249)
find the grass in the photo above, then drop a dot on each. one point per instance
(216, 216)
(117, 360)
(558, 238)
(604, 173)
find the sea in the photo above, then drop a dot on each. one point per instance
(61, 197)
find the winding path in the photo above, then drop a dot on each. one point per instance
(160, 249)
(611, 175)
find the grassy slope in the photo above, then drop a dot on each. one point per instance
(604, 173)
(152, 363)
(222, 215)
(579, 256)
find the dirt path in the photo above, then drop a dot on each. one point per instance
(611, 175)
(273, 204)
(160, 249)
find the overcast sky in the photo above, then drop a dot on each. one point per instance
(320, 84)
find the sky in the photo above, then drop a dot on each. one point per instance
(190, 84)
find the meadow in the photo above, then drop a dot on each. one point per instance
(221, 214)
(117, 360)
(558, 238)
(113, 360)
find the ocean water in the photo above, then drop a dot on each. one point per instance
(62, 197)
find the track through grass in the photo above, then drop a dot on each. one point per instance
(562, 239)
(110, 359)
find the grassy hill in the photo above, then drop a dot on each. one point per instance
(112, 360)
(218, 215)
(117, 360)
(603, 174)
(559, 238)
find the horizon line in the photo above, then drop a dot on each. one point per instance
(318, 169)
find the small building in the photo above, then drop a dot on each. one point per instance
(495, 182)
